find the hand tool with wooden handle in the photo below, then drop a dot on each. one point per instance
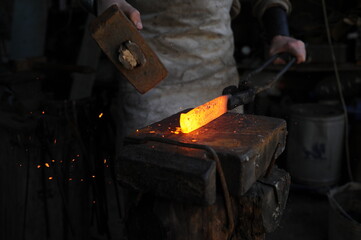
(123, 44)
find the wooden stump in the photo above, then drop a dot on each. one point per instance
(255, 213)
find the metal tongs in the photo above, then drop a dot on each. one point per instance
(244, 94)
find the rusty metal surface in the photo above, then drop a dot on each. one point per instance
(245, 144)
(111, 30)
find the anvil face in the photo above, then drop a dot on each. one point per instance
(244, 143)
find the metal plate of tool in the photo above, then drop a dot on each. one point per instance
(123, 44)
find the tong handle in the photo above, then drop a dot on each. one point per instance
(243, 84)
(243, 94)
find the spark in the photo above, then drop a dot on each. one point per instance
(47, 165)
(38, 166)
(50, 178)
(178, 130)
(101, 115)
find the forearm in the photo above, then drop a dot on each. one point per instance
(259, 7)
(273, 16)
(89, 5)
(97, 7)
(104, 4)
(275, 23)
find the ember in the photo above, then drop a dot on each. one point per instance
(178, 130)
(203, 114)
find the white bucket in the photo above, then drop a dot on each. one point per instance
(315, 144)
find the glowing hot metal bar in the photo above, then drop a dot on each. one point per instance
(203, 114)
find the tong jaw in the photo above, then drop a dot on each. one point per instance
(244, 94)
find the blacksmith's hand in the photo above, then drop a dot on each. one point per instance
(290, 45)
(132, 13)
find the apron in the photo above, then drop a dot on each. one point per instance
(194, 40)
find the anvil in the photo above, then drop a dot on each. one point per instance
(246, 145)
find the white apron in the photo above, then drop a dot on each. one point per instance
(194, 40)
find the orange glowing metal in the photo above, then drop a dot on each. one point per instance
(203, 114)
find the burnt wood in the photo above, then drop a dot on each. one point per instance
(244, 143)
(260, 210)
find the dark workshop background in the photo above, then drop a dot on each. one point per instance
(57, 124)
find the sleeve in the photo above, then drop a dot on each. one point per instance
(260, 6)
(235, 8)
(89, 5)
